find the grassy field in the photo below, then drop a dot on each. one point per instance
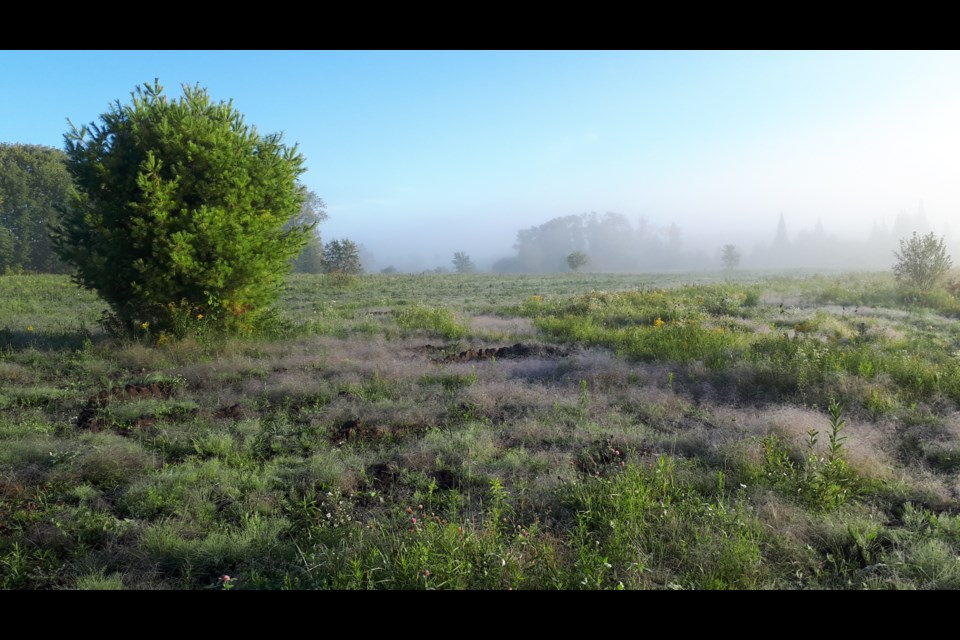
(680, 431)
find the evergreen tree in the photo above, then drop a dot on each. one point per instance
(730, 257)
(780, 240)
(183, 212)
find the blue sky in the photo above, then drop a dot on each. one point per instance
(420, 154)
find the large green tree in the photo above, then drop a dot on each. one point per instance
(182, 212)
(35, 189)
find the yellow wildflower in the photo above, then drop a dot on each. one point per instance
(29, 327)
(658, 323)
(199, 316)
(144, 325)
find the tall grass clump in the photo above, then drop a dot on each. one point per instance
(649, 526)
(435, 320)
(823, 479)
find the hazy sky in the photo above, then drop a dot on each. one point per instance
(427, 153)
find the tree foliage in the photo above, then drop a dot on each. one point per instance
(313, 212)
(576, 260)
(342, 257)
(183, 212)
(611, 240)
(35, 190)
(462, 263)
(730, 257)
(922, 261)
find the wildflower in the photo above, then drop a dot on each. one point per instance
(144, 325)
(199, 316)
(413, 520)
(658, 323)
(29, 327)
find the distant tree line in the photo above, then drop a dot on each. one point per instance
(35, 190)
(613, 243)
(608, 242)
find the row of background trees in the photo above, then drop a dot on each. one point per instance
(613, 243)
(35, 188)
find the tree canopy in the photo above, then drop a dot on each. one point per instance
(183, 212)
(922, 261)
(576, 260)
(730, 257)
(35, 189)
(611, 240)
(462, 263)
(313, 212)
(342, 257)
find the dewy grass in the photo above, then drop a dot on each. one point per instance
(802, 357)
(670, 436)
(648, 519)
(435, 320)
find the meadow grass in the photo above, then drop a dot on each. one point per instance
(675, 431)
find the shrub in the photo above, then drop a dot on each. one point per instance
(922, 261)
(181, 213)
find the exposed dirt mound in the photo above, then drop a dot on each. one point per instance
(354, 430)
(157, 390)
(427, 348)
(518, 350)
(233, 412)
(446, 479)
(88, 417)
(384, 474)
